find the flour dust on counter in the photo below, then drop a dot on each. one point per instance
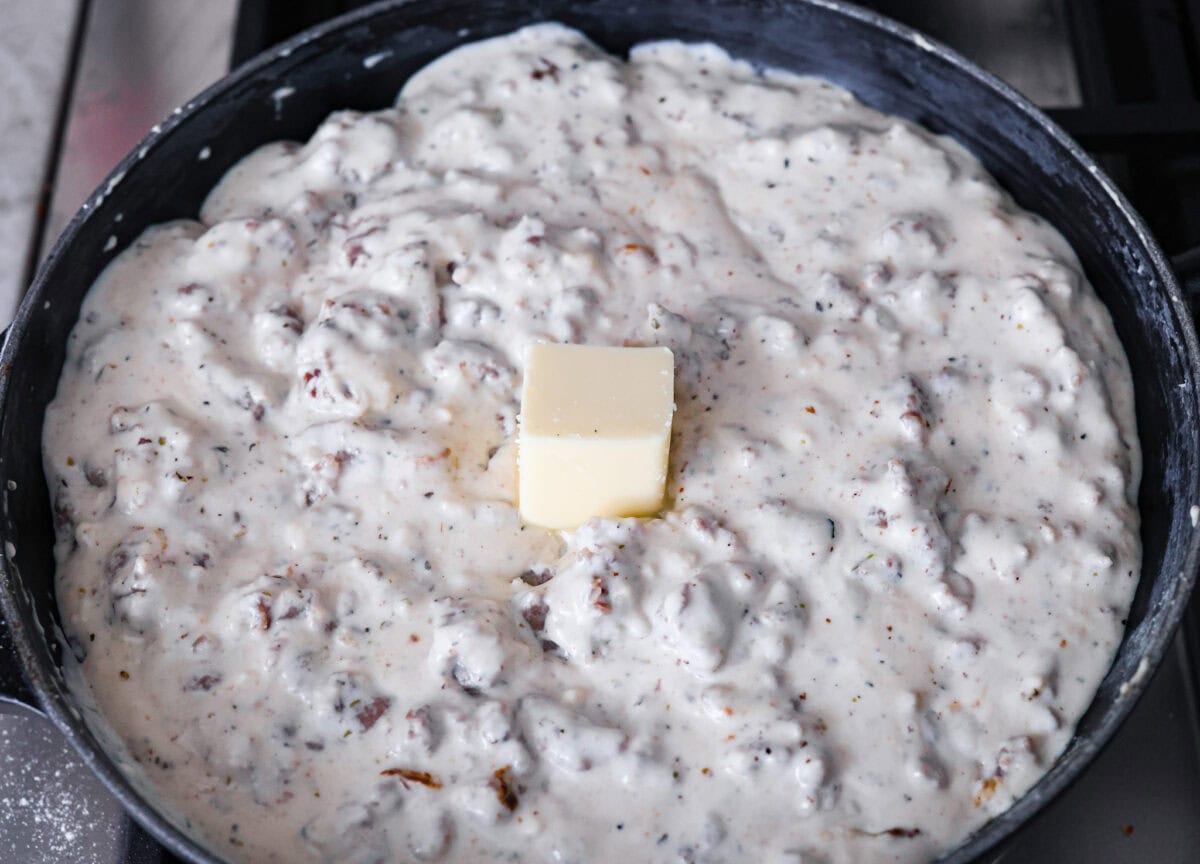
(899, 541)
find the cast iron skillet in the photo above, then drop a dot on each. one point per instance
(888, 66)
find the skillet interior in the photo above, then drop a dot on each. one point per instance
(886, 66)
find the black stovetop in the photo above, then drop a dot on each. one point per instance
(1130, 97)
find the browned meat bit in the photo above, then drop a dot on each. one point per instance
(421, 731)
(64, 516)
(903, 833)
(506, 794)
(331, 464)
(264, 614)
(247, 402)
(537, 576)
(599, 596)
(637, 249)
(205, 643)
(986, 790)
(407, 774)
(368, 715)
(444, 453)
(353, 245)
(544, 69)
(291, 318)
(203, 682)
(292, 612)
(535, 616)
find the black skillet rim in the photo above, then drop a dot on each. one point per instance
(1065, 770)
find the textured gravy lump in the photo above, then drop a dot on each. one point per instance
(899, 542)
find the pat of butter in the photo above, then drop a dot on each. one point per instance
(595, 431)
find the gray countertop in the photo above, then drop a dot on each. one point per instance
(35, 43)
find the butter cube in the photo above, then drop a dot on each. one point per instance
(595, 428)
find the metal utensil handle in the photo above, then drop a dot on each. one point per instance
(14, 687)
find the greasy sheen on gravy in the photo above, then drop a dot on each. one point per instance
(899, 543)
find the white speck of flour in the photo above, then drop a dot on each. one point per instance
(51, 808)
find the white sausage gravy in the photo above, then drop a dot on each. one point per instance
(899, 542)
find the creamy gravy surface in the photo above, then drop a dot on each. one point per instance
(899, 545)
